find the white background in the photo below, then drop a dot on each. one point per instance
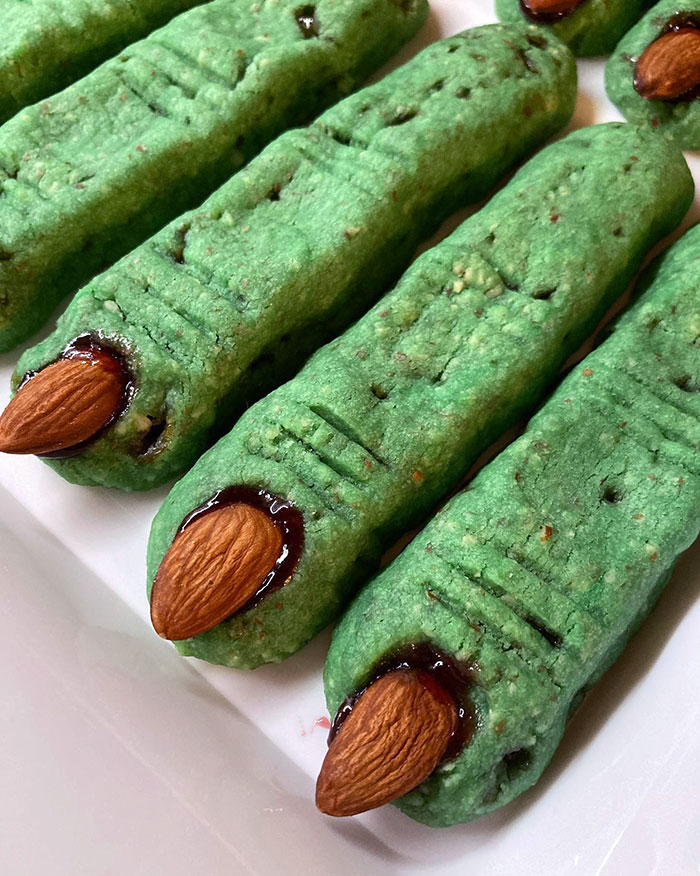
(118, 758)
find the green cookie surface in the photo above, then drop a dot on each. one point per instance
(679, 121)
(537, 575)
(383, 421)
(232, 297)
(592, 28)
(47, 45)
(90, 173)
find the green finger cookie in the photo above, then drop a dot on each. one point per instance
(233, 297)
(383, 421)
(535, 577)
(90, 173)
(47, 45)
(588, 27)
(675, 112)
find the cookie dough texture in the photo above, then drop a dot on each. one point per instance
(539, 573)
(679, 121)
(594, 28)
(234, 296)
(91, 172)
(382, 422)
(47, 44)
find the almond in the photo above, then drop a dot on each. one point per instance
(392, 740)
(669, 68)
(213, 568)
(558, 8)
(64, 404)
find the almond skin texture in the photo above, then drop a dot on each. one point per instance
(669, 68)
(551, 7)
(63, 405)
(390, 742)
(214, 566)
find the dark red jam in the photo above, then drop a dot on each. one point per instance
(92, 348)
(282, 513)
(454, 678)
(680, 21)
(550, 17)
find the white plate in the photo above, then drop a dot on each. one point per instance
(118, 757)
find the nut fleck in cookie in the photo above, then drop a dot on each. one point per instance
(523, 590)
(46, 46)
(588, 27)
(92, 171)
(654, 75)
(385, 420)
(231, 299)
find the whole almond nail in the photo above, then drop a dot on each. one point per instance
(63, 405)
(669, 68)
(213, 568)
(392, 740)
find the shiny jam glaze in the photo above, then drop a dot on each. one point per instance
(547, 17)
